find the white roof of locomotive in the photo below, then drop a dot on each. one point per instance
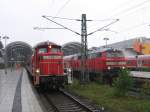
(45, 43)
(102, 50)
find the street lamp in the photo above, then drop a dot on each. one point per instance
(5, 58)
(5, 37)
(106, 39)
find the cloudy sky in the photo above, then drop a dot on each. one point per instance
(19, 17)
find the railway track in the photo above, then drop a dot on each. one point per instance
(62, 101)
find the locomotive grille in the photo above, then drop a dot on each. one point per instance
(47, 68)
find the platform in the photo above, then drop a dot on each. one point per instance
(140, 74)
(16, 93)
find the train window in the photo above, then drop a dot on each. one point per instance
(145, 62)
(99, 54)
(114, 54)
(55, 50)
(129, 62)
(34, 51)
(42, 50)
(93, 55)
(79, 57)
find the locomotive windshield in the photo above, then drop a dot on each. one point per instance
(55, 50)
(42, 50)
(114, 54)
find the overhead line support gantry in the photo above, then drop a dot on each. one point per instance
(84, 46)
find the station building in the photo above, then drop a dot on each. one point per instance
(136, 46)
(1, 55)
(131, 47)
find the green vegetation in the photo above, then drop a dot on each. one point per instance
(146, 87)
(146, 69)
(123, 83)
(103, 95)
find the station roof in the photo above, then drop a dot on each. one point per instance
(18, 51)
(71, 48)
(126, 44)
(1, 45)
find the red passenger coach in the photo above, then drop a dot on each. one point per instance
(47, 64)
(131, 62)
(138, 62)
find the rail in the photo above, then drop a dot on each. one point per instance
(62, 101)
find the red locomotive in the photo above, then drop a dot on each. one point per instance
(105, 62)
(47, 64)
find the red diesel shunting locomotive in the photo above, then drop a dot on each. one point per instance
(47, 64)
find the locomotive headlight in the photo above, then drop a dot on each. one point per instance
(50, 46)
(37, 71)
(69, 69)
(123, 67)
(108, 67)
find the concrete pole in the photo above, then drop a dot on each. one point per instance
(5, 58)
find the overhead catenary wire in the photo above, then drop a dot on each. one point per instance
(110, 18)
(62, 7)
(55, 17)
(61, 25)
(122, 5)
(132, 27)
(121, 12)
(86, 20)
(132, 12)
(35, 28)
(95, 24)
(126, 10)
(63, 18)
(102, 28)
(135, 26)
(131, 8)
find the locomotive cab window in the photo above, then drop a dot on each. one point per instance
(42, 50)
(79, 57)
(55, 50)
(93, 55)
(114, 54)
(99, 54)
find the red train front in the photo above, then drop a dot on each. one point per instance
(105, 62)
(47, 64)
(115, 60)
